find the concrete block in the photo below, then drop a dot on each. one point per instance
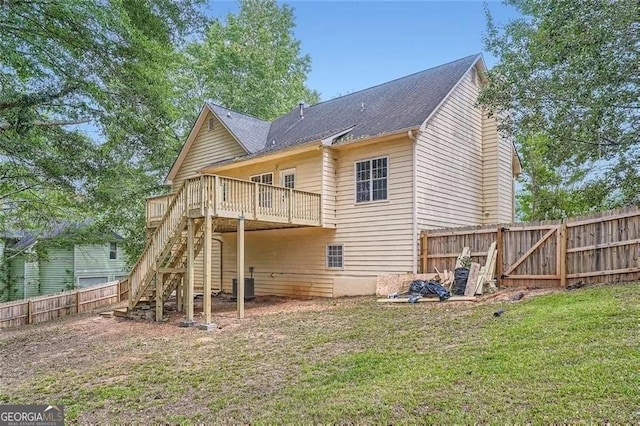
(207, 327)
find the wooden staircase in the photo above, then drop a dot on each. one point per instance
(165, 253)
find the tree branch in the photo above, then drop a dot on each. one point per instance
(6, 126)
(35, 99)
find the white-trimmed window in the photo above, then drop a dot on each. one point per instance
(371, 179)
(335, 256)
(113, 251)
(288, 178)
(265, 195)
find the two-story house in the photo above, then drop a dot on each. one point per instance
(332, 195)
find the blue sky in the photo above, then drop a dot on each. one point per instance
(358, 44)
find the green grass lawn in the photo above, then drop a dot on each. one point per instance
(569, 357)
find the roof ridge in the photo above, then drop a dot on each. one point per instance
(238, 112)
(394, 80)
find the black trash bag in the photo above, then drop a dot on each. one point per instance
(460, 277)
(434, 287)
(416, 286)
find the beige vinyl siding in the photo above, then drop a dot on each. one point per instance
(208, 147)
(329, 185)
(215, 268)
(490, 169)
(505, 179)
(376, 235)
(308, 167)
(288, 262)
(449, 163)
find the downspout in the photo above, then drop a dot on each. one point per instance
(413, 135)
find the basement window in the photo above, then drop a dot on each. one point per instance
(335, 256)
(113, 251)
(371, 180)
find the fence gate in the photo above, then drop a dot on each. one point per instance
(532, 255)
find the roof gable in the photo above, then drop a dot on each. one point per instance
(249, 132)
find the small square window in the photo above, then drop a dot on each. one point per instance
(113, 251)
(335, 256)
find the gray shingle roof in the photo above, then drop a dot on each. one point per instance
(396, 105)
(250, 131)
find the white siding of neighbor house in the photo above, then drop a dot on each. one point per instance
(449, 163)
(376, 236)
(208, 147)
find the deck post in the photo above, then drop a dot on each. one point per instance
(188, 276)
(179, 290)
(159, 300)
(206, 270)
(240, 286)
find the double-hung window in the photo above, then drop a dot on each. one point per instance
(371, 180)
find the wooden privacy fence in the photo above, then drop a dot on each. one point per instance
(603, 247)
(51, 306)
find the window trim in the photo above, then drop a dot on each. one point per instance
(326, 254)
(287, 172)
(265, 196)
(355, 181)
(260, 176)
(113, 249)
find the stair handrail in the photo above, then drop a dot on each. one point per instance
(155, 244)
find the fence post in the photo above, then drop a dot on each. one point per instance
(423, 251)
(499, 254)
(77, 301)
(562, 253)
(29, 313)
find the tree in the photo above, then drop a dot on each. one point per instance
(85, 99)
(567, 85)
(251, 62)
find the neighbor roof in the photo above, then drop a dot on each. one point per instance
(404, 103)
(56, 230)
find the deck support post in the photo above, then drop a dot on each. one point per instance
(240, 286)
(159, 298)
(206, 270)
(188, 276)
(179, 290)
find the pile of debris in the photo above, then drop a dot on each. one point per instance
(467, 280)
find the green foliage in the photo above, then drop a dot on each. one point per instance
(251, 62)
(567, 87)
(85, 97)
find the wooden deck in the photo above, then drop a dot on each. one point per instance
(227, 198)
(181, 224)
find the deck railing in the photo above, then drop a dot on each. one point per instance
(229, 197)
(156, 207)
